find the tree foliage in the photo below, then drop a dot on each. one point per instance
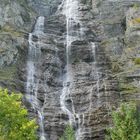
(68, 134)
(14, 123)
(125, 123)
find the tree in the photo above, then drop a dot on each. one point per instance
(125, 123)
(14, 123)
(68, 134)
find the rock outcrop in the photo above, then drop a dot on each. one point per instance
(44, 7)
(15, 22)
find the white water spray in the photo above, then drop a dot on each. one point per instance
(34, 54)
(70, 10)
(96, 72)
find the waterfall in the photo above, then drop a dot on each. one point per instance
(67, 83)
(70, 10)
(95, 72)
(34, 54)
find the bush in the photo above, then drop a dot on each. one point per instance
(14, 123)
(68, 134)
(125, 123)
(137, 61)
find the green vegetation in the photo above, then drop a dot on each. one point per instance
(128, 88)
(137, 61)
(14, 123)
(137, 20)
(7, 73)
(68, 134)
(125, 123)
(136, 5)
(10, 30)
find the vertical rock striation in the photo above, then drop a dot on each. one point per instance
(71, 49)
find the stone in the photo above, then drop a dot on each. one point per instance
(97, 71)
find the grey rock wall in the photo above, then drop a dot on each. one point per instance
(113, 25)
(44, 7)
(107, 24)
(16, 20)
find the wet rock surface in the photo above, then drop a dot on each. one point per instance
(93, 91)
(44, 7)
(104, 25)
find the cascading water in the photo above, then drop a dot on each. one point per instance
(95, 72)
(34, 54)
(68, 6)
(70, 10)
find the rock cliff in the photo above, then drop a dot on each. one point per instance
(104, 60)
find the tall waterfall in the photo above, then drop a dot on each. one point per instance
(70, 10)
(34, 54)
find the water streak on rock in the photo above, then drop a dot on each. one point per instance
(34, 54)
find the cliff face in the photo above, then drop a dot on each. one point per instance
(15, 22)
(102, 64)
(120, 41)
(44, 7)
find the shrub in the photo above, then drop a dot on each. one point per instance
(137, 61)
(137, 20)
(68, 134)
(125, 123)
(14, 123)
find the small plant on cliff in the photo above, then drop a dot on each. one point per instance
(68, 134)
(125, 123)
(137, 61)
(135, 6)
(14, 124)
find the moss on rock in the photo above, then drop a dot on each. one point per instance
(137, 61)
(128, 88)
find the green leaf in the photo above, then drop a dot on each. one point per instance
(14, 124)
